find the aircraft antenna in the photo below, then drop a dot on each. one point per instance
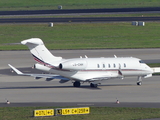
(86, 56)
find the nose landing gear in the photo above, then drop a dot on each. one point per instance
(139, 81)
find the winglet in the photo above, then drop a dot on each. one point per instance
(16, 70)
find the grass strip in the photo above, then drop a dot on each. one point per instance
(154, 64)
(101, 113)
(82, 35)
(74, 4)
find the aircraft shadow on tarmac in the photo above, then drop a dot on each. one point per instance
(67, 87)
(54, 87)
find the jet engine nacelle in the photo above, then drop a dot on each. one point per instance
(41, 67)
(73, 65)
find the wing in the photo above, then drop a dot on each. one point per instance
(109, 75)
(98, 79)
(103, 78)
(48, 77)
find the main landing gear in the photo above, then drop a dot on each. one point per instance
(93, 85)
(139, 81)
(76, 84)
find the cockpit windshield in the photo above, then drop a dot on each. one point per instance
(141, 61)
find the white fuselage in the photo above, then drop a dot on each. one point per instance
(83, 69)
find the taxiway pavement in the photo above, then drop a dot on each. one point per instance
(26, 91)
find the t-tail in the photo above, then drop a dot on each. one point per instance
(40, 53)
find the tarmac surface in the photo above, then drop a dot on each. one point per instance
(77, 19)
(26, 91)
(77, 11)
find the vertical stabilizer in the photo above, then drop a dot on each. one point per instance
(40, 53)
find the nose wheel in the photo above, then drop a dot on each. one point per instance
(139, 83)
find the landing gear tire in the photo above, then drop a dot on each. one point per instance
(76, 84)
(139, 83)
(93, 85)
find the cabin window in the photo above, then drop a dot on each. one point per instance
(109, 65)
(98, 66)
(103, 65)
(141, 61)
(124, 65)
(114, 65)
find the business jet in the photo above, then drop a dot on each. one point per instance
(79, 70)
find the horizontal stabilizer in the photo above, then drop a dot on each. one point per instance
(16, 70)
